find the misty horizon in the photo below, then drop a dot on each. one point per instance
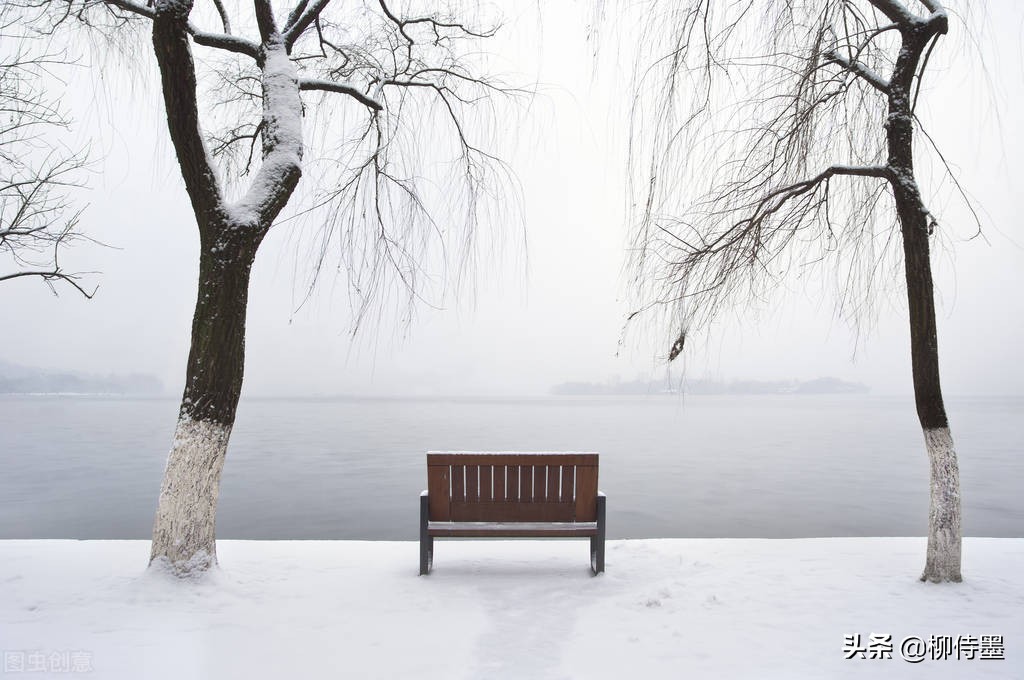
(17, 379)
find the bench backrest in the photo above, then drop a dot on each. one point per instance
(512, 487)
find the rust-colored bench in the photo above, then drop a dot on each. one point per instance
(512, 495)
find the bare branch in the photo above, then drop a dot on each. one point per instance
(38, 217)
(51, 275)
(774, 106)
(433, 22)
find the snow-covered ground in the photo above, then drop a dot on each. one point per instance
(672, 608)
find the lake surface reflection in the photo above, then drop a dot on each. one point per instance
(699, 466)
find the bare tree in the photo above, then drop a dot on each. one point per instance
(38, 218)
(389, 99)
(780, 134)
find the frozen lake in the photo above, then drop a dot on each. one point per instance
(703, 466)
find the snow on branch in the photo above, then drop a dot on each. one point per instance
(224, 19)
(340, 88)
(895, 11)
(223, 41)
(300, 19)
(857, 68)
(282, 143)
(399, 185)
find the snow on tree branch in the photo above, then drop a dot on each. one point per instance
(895, 11)
(857, 68)
(300, 19)
(370, 183)
(281, 129)
(340, 88)
(223, 41)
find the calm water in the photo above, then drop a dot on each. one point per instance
(779, 466)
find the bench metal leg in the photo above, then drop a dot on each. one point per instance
(426, 542)
(597, 542)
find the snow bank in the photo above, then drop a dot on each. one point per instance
(679, 608)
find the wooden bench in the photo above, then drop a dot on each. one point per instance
(512, 495)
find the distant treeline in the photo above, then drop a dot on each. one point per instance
(669, 386)
(16, 379)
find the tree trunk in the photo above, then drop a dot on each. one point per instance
(184, 528)
(944, 531)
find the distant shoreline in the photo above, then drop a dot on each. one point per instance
(827, 385)
(25, 380)
(140, 395)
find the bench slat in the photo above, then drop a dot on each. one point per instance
(568, 477)
(462, 511)
(458, 482)
(554, 475)
(512, 529)
(472, 490)
(513, 482)
(586, 493)
(499, 482)
(510, 458)
(438, 486)
(486, 493)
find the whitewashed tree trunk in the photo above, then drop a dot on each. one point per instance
(184, 532)
(944, 531)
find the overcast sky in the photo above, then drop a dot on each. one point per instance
(551, 310)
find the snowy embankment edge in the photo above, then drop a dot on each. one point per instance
(723, 608)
